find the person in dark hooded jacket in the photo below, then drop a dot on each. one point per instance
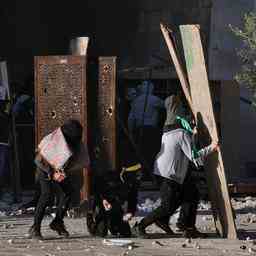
(113, 190)
(48, 177)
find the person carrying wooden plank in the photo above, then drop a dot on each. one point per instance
(171, 170)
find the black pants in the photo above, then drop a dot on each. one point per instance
(189, 203)
(148, 139)
(172, 196)
(46, 186)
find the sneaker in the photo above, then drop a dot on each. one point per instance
(193, 233)
(34, 233)
(59, 228)
(165, 227)
(139, 231)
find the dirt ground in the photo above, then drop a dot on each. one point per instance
(13, 241)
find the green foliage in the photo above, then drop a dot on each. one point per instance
(247, 53)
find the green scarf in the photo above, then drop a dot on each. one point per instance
(187, 127)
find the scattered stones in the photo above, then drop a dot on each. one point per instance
(206, 218)
(157, 243)
(130, 247)
(101, 254)
(10, 241)
(188, 241)
(243, 247)
(6, 226)
(197, 246)
(149, 205)
(251, 250)
(58, 248)
(19, 212)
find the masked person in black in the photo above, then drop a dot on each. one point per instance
(49, 177)
(112, 190)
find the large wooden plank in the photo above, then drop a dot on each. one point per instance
(170, 41)
(202, 105)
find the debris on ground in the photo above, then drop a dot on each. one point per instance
(157, 243)
(243, 247)
(118, 242)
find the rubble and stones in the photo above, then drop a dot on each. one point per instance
(15, 224)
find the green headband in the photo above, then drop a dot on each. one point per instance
(184, 124)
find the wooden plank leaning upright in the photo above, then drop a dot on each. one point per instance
(202, 108)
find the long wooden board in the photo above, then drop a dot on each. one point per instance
(202, 105)
(170, 41)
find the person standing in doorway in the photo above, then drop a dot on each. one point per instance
(143, 123)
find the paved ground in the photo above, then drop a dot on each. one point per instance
(13, 241)
(14, 226)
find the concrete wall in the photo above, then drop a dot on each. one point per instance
(45, 27)
(148, 40)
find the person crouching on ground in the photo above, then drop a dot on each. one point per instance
(115, 202)
(171, 168)
(65, 143)
(107, 214)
